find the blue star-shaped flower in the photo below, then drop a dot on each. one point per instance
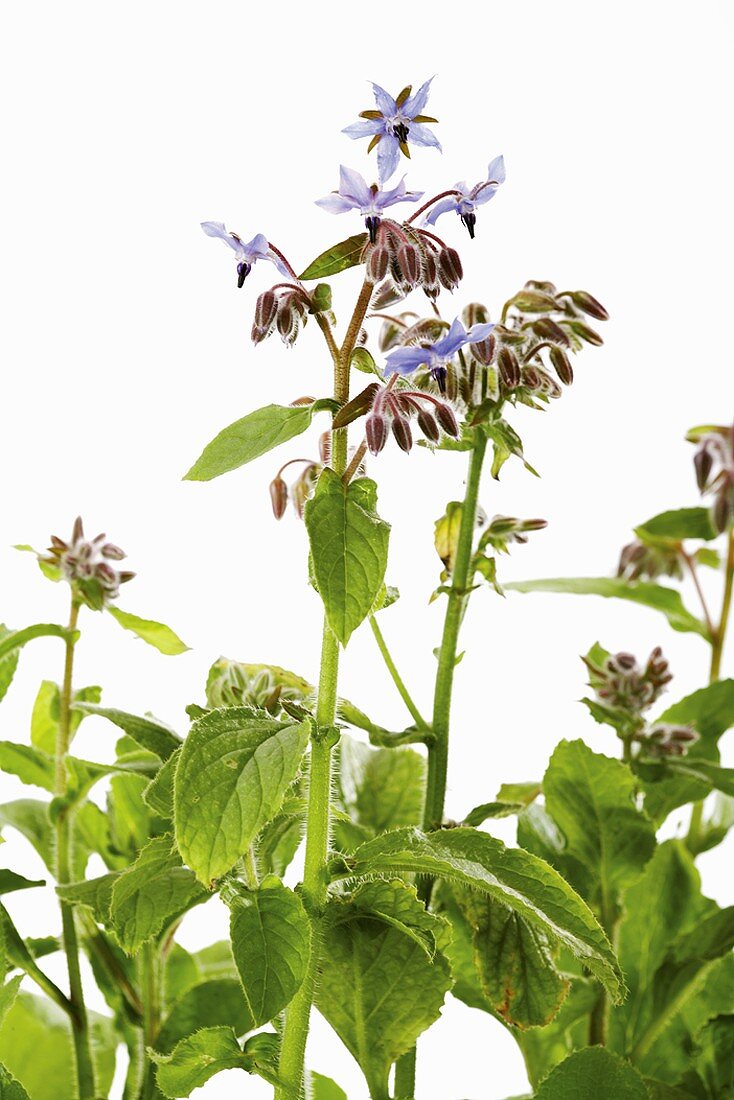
(395, 125)
(465, 200)
(436, 356)
(246, 254)
(356, 194)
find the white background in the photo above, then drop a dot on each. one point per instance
(126, 348)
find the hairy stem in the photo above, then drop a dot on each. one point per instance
(396, 677)
(64, 866)
(150, 986)
(315, 881)
(718, 637)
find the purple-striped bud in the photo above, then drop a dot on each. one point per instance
(430, 274)
(723, 509)
(548, 329)
(509, 369)
(375, 430)
(588, 334)
(530, 378)
(408, 261)
(278, 496)
(548, 385)
(450, 271)
(378, 261)
(589, 305)
(447, 419)
(287, 320)
(402, 433)
(428, 425)
(561, 365)
(114, 553)
(703, 462)
(266, 309)
(483, 350)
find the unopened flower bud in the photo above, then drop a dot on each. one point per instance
(375, 430)
(561, 365)
(402, 433)
(266, 309)
(278, 496)
(588, 334)
(723, 509)
(703, 464)
(548, 329)
(430, 274)
(589, 305)
(483, 350)
(114, 553)
(287, 320)
(509, 369)
(447, 419)
(450, 271)
(409, 264)
(378, 261)
(428, 425)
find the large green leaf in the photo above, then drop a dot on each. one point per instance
(271, 938)
(525, 883)
(514, 962)
(148, 732)
(398, 905)
(217, 1002)
(378, 990)
(234, 769)
(158, 795)
(379, 789)
(196, 1059)
(666, 600)
(250, 437)
(160, 636)
(713, 1075)
(47, 711)
(593, 1074)
(93, 893)
(36, 1048)
(10, 1089)
(10, 881)
(711, 713)
(338, 258)
(29, 816)
(591, 798)
(682, 523)
(348, 549)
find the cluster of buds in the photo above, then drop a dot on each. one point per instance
(502, 531)
(624, 685)
(85, 564)
(665, 739)
(714, 465)
(232, 684)
(284, 307)
(401, 258)
(392, 408)
(646, 561)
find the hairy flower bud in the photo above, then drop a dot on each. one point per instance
(325, 448)
(447, 419)
(510, 372)
(278, 496)
(430, 273)
(428, 425)
(378, 261)
(266, 309)
(589, 305)
(84, 563)
(287, 320)
(561, 365)
(450, 271)
(703, 462)
(408, 262)
(375, 430)
(483, 350)
(402, 433)
(588, 334)
(667, 739)
(548, 329)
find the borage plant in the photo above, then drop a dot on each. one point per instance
(397, 906)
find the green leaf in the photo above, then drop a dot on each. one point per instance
(197, 1058)
(148, 732)
(36, 1048)
(716, 823)
(683, 523)
(160, 636)
(522, 881)
(545, 1048)
(271, 940)
(506, 442)
(217, 1002)
(8, 663)
(593, 1074)
(378, 990)
(154, 890)
(713, 775)
(158, 795)
(29, 816)
(514, 962)
(656, 596)
(10, 1089)
(10, 882)
(348, 549)
(94, 893)
(8, 993)
(252, 436)
(234, 770)
(362, 360)
(338, 258)
(323, 1088)
(13, 640)
(489, 810)
(379, 789)
(398, 905)
(47, 710)
(713, 1076)
(591, 798)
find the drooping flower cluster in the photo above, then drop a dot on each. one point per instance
(622, 683)
(666, 739)
(714, 464)
(85, 564)
(646, 561)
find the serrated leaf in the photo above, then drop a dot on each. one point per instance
(150, 893)
(348, 549)
(147, 731)
(216, 1002)
(160, 636)
(593, 1074)
(36, 1048)
(379, 991)
(683, 523)
(196, 1059)
(249, 438)
(271, 941)
(379, 789)
(656, 596)
(398, 905)
(158, 795)
(522, 881)
(8, 663)
(94, 893)
(338, 258)
(591, 798)
(230, 781)
(10, 1089)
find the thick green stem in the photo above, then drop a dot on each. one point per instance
(396, 677)
(315, 880)
(718, 637)
(64, 865)
(150, 986)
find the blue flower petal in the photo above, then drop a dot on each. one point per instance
(365, 127)
(441, 207)
(421, 135)
(416, 103)
(385, 101)
(406, 360)
(388, 157)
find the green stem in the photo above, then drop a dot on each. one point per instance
(150, 984)
(718, 637)
(315, 879)
(396, 677)
(64, 865)
(405, 1076)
